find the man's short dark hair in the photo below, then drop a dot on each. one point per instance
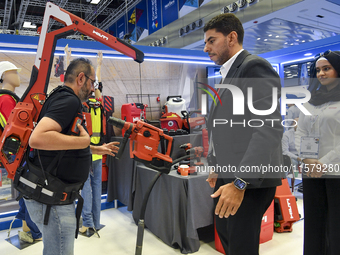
(77, 66)
(226, 23)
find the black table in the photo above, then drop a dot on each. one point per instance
(176, 208)
(121, 172)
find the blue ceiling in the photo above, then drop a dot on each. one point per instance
(277, 33)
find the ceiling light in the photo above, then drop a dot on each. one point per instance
(241, 3)
(232, 7)
(286, 43)
(181, 31)
(292, 44)
(297, 40)
(199, 23)
(95, 1)
(270, 35)
(277, 36)
(303, 41)
(308, 54)
(225, 9)
(259, 38)
(296, 60)
(29, 25)
(265, 40)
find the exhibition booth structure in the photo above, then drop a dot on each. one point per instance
(165, 72)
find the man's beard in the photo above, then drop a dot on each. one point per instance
(84, 93)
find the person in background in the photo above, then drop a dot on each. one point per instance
(92, 189)
(293, 112)
(241, 198)
(321, 182)
(10, 80)
(288, 145)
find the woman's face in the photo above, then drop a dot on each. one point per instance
(326, 74)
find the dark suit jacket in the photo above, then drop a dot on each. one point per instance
(239, 146)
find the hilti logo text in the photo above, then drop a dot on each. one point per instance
(135, 119)
(148, 147)
(100, 35)
(290, 209)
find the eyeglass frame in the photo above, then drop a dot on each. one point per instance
(92, 81)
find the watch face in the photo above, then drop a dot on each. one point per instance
(240, 184)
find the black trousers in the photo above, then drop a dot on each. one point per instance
(321, 206)
(240, 234)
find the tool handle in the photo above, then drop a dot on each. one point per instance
(124, 142)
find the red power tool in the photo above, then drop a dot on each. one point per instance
(144, 142)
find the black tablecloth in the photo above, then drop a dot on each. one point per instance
(176, 208)
(121, 172)
(120, 177)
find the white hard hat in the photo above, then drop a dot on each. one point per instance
(7, 66)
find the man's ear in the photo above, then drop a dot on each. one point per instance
(233, 38)
(81, 79)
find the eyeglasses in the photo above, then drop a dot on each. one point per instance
(92, 81)
(324, 54)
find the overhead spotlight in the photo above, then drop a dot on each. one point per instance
(191, 27)
(232, 7)
(241, 3)
(225, 9)
(158, 42)
(181, 31)
(199, 23)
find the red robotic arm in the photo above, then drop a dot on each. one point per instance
(14, 139)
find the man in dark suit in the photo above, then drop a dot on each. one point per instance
(245, 148)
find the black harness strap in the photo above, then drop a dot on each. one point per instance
(47, 214)
(78, 210)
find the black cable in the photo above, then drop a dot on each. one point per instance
(141, 224)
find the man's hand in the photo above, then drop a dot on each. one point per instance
(84, 135)
(105, 149)
(315, 168)
(212, 178)
(229, 201)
